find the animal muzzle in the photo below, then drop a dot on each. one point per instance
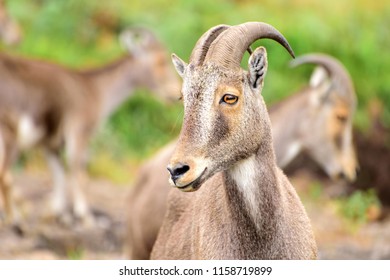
(350, 166)
(346, 169)
(186, 175)
(178, 171)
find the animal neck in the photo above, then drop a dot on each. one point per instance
(115, 82)
(287, 123)
(252, 192)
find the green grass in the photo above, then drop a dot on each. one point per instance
(84, 34)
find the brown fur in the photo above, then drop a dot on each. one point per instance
(321, 127)
(147, 205)
(242, 207)
(63, 107)
(292, 121)
(226, 231)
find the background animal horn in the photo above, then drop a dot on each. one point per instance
(336, 71)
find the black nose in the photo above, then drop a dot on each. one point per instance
(178, 170)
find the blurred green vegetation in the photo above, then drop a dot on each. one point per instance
(315, 191)
(360, 207)
(84, 34)
(75, 254)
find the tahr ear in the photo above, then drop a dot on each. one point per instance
(321, 85)
(179, 64)
(131, 41)
(257, 67)
(318, 77)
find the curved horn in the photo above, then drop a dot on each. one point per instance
(332, 66)
(228, 49)
(202, 45)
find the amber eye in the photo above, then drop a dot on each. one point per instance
(229, 99)
(341, 118)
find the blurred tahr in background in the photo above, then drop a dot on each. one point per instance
(318, 119)
(47, 105)
(84, 33)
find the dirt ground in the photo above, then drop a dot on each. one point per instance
(336, 236)
(41, 238)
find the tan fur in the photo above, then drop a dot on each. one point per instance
(293, 123)
(147, 205)
(64, 107)
(321, 126)
(218, 219)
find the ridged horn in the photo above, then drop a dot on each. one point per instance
(336, 71)
(202, 45)
(228, 49)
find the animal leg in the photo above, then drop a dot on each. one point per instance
(12, 216)
(59, 200)
(75, 151)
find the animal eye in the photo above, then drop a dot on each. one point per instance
(229, 99)
(341, 118)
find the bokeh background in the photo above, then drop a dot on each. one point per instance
(84, 34)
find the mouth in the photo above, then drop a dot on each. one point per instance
(194, 185)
